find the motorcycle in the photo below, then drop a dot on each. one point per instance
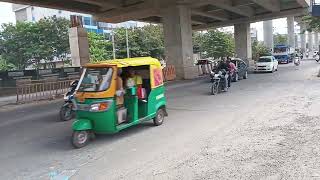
(66, 111)
(218, 82)
(297, 61)
(317, 58)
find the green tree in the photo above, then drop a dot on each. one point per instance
(4, 66)
(28, 43)
(313, 23)
(280, 39)
(259, 49)
(214, 43)
(100, 49)
(143, 41)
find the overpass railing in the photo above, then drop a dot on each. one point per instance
(34, 90)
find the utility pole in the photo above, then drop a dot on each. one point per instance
(113, 46)
(127, 40)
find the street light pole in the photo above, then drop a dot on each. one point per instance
(127, 40)
(113, 46)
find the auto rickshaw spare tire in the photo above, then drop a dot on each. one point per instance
(80, 138)
(158, 120)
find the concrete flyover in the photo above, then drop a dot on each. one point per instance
(181, 17)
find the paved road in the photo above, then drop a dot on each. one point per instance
(266, 127)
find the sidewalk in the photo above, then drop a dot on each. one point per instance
(8, 100)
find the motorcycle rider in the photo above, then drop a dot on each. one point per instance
(232, 70)
(223, 66)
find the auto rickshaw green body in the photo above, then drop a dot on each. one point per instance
(106, 121)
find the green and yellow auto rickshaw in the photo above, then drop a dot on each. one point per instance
(117, 94)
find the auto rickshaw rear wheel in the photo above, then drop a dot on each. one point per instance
(158, 120)
(80, 138)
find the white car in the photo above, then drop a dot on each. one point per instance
(266, 64)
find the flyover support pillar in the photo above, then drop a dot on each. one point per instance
(178, 41)
(79, 46)
(291, 36)
(243, 41)
(268, 34)
(303, 37)
(310, 43)
(316, 41)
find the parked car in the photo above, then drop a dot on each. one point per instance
(242, 69)
(266, 64)
(283, 59)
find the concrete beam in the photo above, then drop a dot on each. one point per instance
(141, 10)
(303, 3)
(209, 15)
(196, 22)
(59, 5)
(226, 5)
(102, 3)
(271, 5)
(264, 17)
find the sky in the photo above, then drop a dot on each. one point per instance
(6, 14)
(280, 25)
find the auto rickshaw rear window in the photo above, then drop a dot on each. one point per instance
(95, 79)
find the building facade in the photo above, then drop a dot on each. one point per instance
(34, 14)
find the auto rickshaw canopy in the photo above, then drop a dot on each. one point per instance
(127, 62)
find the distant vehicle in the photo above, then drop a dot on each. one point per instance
(315, 53)
(266, 64)
(218, 82)
(283, 53)
(242, 69)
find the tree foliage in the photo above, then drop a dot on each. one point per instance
(143, 41)
(4, 66)
(313, 23)
(214, 43)
(259, 49)
(280, 39)
(28, 43)
(100, 49)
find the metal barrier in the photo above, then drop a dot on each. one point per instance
(27, 90)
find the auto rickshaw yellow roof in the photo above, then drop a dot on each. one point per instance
(139, 61)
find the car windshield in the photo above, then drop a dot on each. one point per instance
(280, 49)
(280, 57)
(95, 79)
(264, 60)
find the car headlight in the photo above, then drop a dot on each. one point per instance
(99, 107)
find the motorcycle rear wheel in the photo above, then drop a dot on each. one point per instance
(214, 88)
(66, 113)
